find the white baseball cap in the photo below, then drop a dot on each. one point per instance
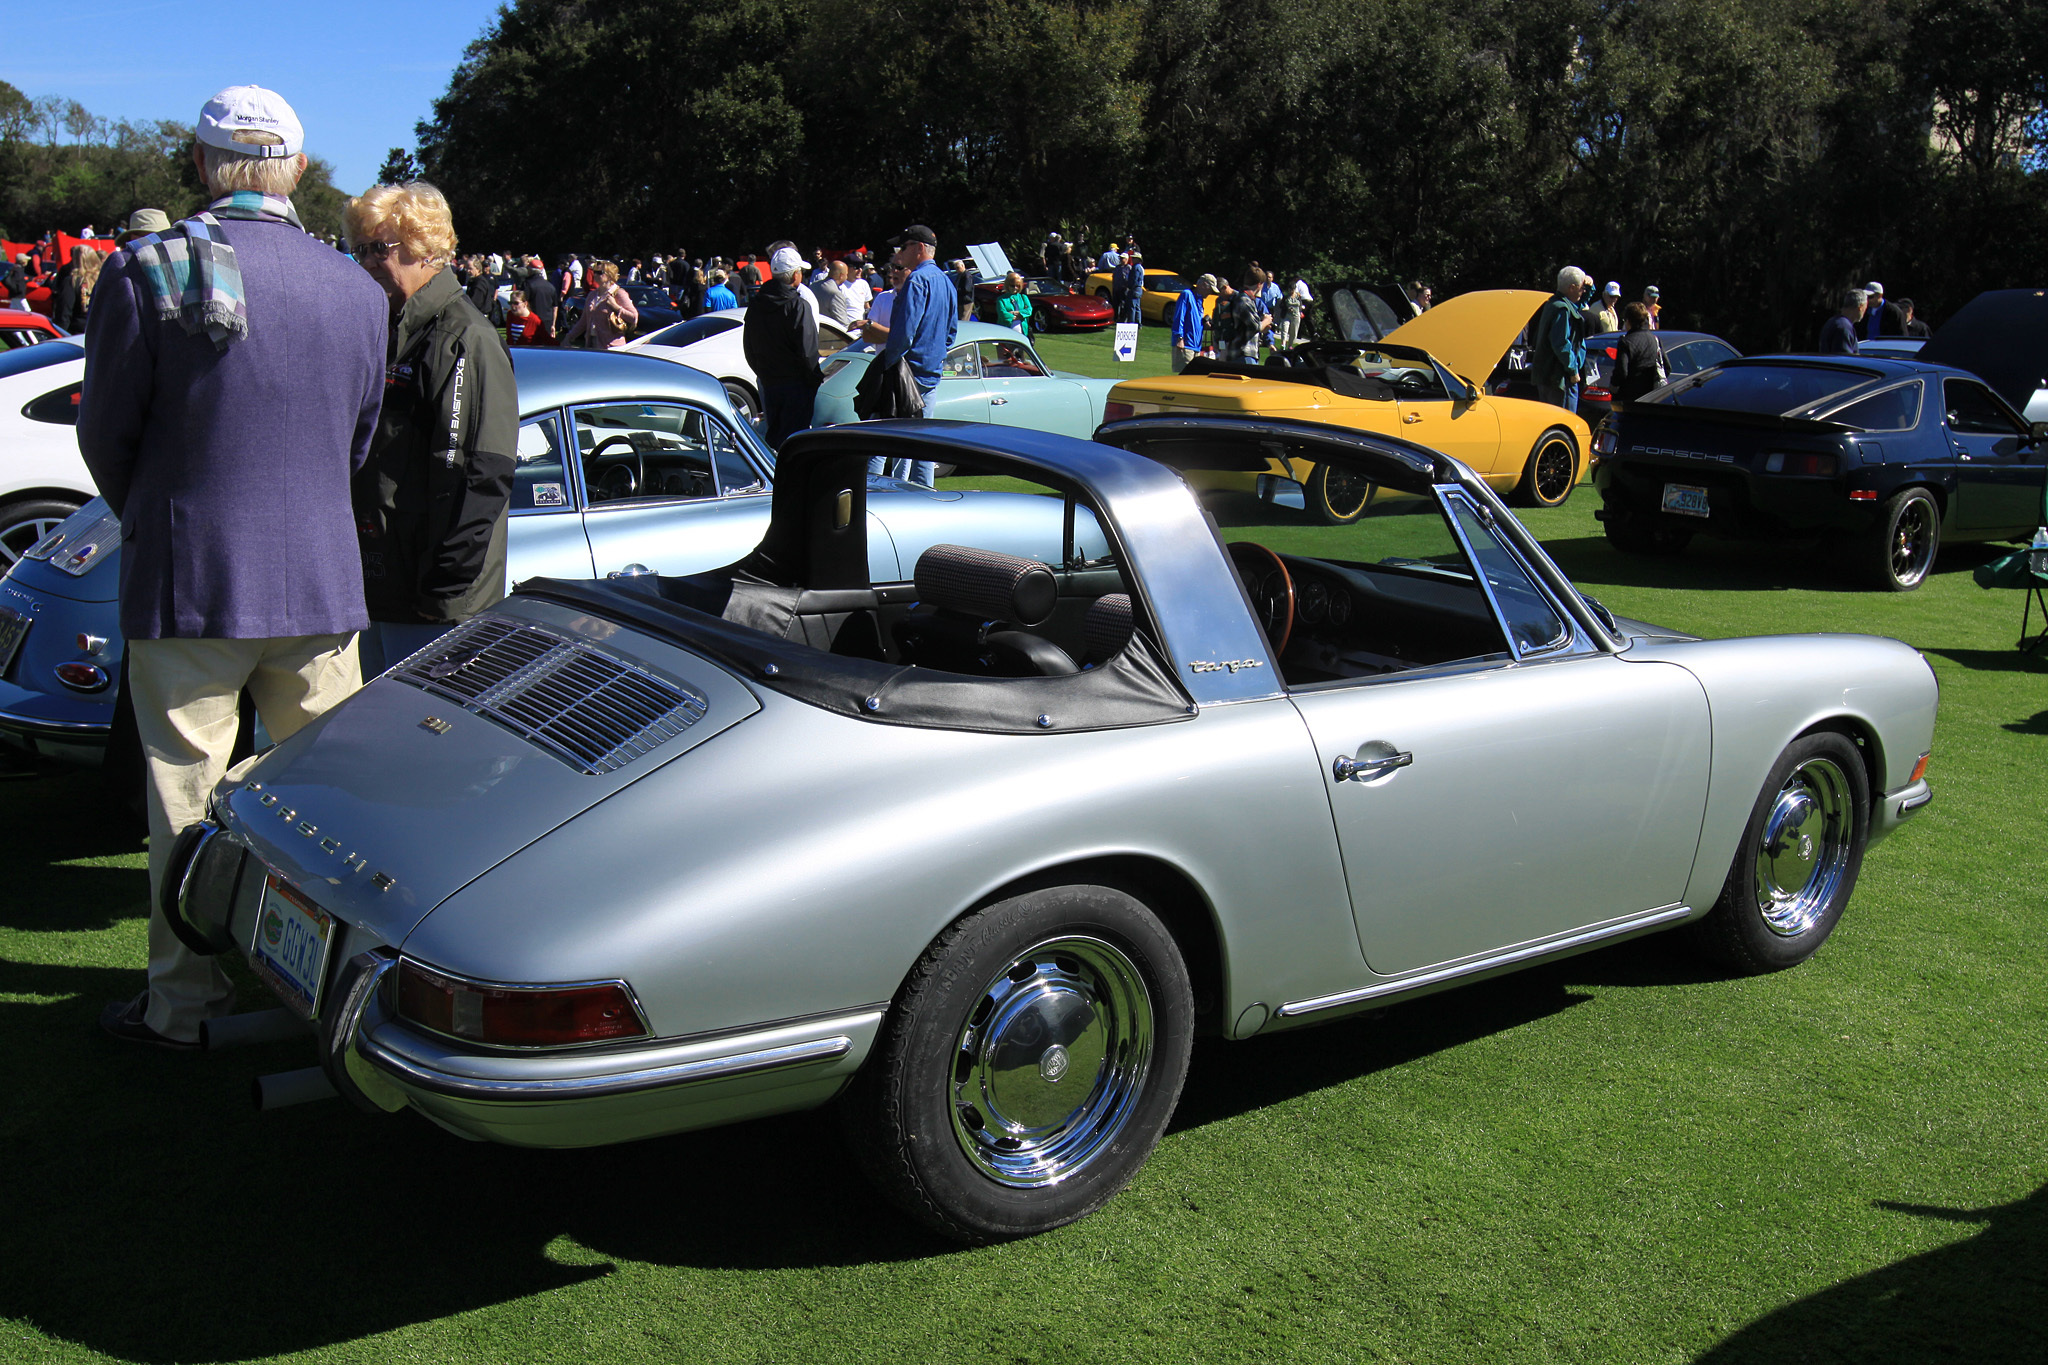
(239, 117)
(1613, 287)
(784, 261)
(1874, 287)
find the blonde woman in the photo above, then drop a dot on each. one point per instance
(1013, 304)
(431, 501)
(609, 316)
(74, 296)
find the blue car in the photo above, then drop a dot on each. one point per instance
(1892, 455)
(626, 465)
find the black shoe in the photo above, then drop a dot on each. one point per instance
(123, 1020)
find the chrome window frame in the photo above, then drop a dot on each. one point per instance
(1572, 642)
(749, 445)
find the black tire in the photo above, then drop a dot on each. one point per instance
(975, 1124)
(1797, 864)
(744, 405)
(1639, 534)
(1906, 540)
(22, 524)
(1337, 497)
(1552, 471)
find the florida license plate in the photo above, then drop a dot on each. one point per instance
(1686, 499)
(293, 936)
(13, 630)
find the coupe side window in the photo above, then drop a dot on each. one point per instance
(1973, 410)
(645, 452)
(1896, 409)
(962, 362)
(59, 406)
(540, 476)
(1008, 360)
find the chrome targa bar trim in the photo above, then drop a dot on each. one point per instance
(746, 1063)
(1296, 1008)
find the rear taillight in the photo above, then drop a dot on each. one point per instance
(1598, 395)
(1117, 412)
(1811, 466)
(82, 677)
(517, 1016)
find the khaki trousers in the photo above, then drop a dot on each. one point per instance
(186, 695)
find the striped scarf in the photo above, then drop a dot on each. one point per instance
(192, 271)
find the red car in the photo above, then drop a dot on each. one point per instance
(25, 329)
(1055, 307)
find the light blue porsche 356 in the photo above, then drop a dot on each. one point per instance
(974, 842)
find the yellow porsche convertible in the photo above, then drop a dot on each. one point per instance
(1162, 291)
(1422, 382)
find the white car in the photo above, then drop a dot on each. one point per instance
(712, 343)
(42, 478)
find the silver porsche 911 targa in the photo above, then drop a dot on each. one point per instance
(978, 853)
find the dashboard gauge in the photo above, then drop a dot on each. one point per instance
(1314, 603)
(1340, 608)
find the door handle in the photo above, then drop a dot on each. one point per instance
(1411, 417)
(997, 402)
(1347, 769)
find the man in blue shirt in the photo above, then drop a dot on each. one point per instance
(718, 296)
(921, 327)
(1188, 319)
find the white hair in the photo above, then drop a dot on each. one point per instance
(1570, 276)
(226, 171)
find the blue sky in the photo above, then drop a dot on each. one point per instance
(360, 75)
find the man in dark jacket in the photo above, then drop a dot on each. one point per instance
(223, 413)
(1557, 341)
(431, 501)
(781, 341)
(540, 296)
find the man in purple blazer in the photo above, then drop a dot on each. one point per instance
(234, 370)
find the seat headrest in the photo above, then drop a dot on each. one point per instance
(1106, 629)
(986, 584)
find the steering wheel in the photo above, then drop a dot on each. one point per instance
(620, 481)
(1271, 588)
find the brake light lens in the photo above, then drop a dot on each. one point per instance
(1597, 394)
(517, 1016)
(82, 677)
(1807, 466)
(1603, 442)
(1117, 412)
(1863, 495)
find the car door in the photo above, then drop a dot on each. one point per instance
(1462, 428)
(960, 396)
(1022, 394)
(1999, 468)
(1521, 796)
(669, 487)
(544, 533)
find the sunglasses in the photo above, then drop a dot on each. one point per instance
(373, 251)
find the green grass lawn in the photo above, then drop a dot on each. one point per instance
(1623, 1157)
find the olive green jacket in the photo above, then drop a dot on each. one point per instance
(430, 501)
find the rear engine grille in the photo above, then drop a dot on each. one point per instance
(591, 710)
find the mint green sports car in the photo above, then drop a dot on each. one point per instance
(992, 374)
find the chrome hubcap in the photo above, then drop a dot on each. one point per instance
(1912, 541)
(1051, 1062)
(1805, 848)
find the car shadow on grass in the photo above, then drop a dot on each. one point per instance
(59, 843)
(1977, 1299)
(1738, 566)
(2013, 660)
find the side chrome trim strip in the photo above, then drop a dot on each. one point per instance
(1296, 1008)
(437, 1082)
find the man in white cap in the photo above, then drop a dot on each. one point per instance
(780, 338)
(1883, 318)
(235, 368)
(1605, 313)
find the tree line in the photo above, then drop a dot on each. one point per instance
(1751, 157)
(62, 167)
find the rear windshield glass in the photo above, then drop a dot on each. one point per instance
(694, 330)
(1773, 389)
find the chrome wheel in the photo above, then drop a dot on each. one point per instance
(1052, 1062)
(23, 524)
(1337, 496)
(1807, 837)
(1912, 536)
